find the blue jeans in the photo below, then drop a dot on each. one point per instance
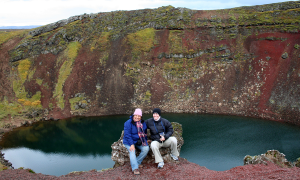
(136, 161)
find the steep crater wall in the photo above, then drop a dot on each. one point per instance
(242, 61)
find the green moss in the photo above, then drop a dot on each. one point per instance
(147, 96)
(22, 74)
(104, 58)
(64, 71)
(175, 42)
(133, 70)
(39, 81)
(9, 108)
(23, 69)
(141, 41)
(50, 105)
(5, 36)
(30, 170)
(74, 101)
(102, 43)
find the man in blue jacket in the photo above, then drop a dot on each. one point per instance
(161, 130)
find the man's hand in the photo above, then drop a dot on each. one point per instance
(132, 148)
(162, 138)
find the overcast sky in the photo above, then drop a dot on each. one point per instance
(42, 12)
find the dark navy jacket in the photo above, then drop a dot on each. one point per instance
(167, 128)
(131, 133)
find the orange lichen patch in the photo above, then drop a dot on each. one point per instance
(21, 100)
(27, 103)
(36, 103)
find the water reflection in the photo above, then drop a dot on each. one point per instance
(55, 163)
(78, 144)
(78, 136)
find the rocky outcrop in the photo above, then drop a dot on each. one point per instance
(297, 164)
(273, 156)
(120, 154)
(242, 61)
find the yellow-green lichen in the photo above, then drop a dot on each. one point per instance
(23, 69)
(22, 74)
(76, 100)
(64, 72)
(39, 81)
(9, 108)
(5, 36)
(141, 41)
(147, 96)
(175, 42)
(102, 43)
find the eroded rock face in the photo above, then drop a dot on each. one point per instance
(243, 61)
(120, 154)
(271, 155)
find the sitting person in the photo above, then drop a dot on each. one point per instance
(135, 136)
(161, 130)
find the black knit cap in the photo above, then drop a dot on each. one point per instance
(156, 110)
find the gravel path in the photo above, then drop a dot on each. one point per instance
(181, 170)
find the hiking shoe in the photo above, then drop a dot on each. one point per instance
(136, 172)
(174, 157)
(160, 165)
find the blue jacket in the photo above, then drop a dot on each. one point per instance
(131, 133)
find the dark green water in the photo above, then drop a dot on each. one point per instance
(81, 144)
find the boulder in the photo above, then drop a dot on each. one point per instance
(271, 155)
(120, 154)
(297, 163)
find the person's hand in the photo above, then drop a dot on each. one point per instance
(162, 138)
(132, 148)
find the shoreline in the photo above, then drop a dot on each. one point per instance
(12, 124)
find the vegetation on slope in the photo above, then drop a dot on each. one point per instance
(179, 46)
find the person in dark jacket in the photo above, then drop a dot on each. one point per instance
(135, 136)
(161, 134)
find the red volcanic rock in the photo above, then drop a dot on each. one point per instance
(181, 170)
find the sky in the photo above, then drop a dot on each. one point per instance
(42, 12)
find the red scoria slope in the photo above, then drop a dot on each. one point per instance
(181, 170)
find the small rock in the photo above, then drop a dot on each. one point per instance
(285, 55)
(83, 105)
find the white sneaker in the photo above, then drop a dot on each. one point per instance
(160, 165)
(174, 157)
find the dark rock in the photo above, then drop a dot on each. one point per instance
(297, 163)
(34, 114)
(270, 156)
(29, 116)
(161, 55)
(83, 105)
